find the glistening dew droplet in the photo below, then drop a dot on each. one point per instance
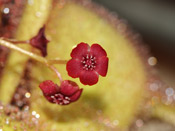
(33, 113)
(6, 10)
(27, 95)
(139, 123)
(152, 61)
(169, 91)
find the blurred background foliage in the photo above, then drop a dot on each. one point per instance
(155, 21)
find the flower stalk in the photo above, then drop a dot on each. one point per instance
(36, 57)
(30, 54)
(56, 71)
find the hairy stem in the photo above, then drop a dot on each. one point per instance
(56, 71)
(35, 56)
(57, 61)
(30, 54)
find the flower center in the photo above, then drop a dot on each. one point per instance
(60, 99)
(89, 62)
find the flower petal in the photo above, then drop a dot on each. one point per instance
(97, 50)
(102, 66)
(76, 96)
(48, 87)
(68, 88)
(40, 42)
(89, 77)
(73, 67)
(80, 50)
(49, 99)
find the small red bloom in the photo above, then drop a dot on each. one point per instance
(88, 63)
(40, 42)
(65, 94)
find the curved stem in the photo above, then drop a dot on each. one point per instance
(56, 71)
(57, 61)
(34, 56)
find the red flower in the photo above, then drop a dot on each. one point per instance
(65, 94)
(88, 63)
(40, 42)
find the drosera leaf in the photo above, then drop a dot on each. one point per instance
(116, 98)
(34, 17)
(164, 112)
(13, 119)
